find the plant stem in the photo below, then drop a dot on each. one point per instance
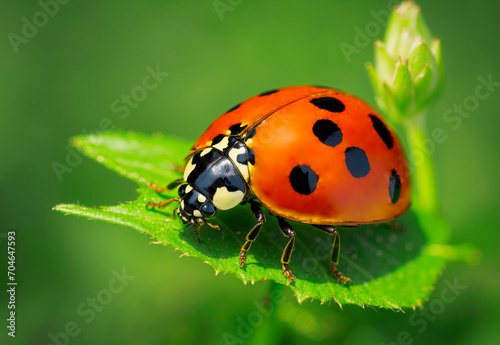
(421, 165)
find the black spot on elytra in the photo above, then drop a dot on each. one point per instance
(303, 179)
(267, 93)
(328, 103)
(233, 108)
(394, 186)
(357, 162)
(382, 131)
(217, 139)
(237, 128)
(327, 132)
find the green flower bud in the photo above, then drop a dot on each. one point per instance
(407, 74)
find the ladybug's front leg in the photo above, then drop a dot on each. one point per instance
(157, 189)
(163, 203)
(287, 230)
(252, 235)
(170, 186)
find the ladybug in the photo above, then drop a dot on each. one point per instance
(308, 154)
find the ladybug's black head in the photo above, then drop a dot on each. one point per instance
(194, 206)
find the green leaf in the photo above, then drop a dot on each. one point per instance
(389, 268)
(138, 157)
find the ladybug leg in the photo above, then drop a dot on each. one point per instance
(201, 222)
(162, 204)
(252, 235)
(178, 168)
(334, 258)
(287, 230)
(170, 186)
(213, 226)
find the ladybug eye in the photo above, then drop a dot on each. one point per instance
(182, 190)
(208, 209)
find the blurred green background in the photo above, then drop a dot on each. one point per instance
(65, 77)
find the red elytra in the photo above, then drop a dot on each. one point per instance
(284, 139)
